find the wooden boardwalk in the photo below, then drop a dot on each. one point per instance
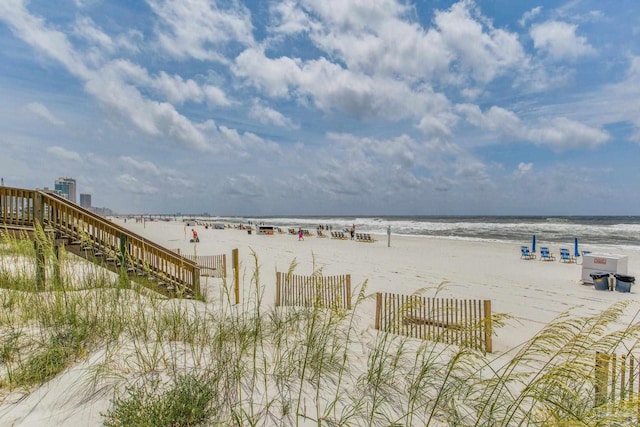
(98, 240)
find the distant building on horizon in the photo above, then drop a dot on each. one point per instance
(67, 188)
(85, 200)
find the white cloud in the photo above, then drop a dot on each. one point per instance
(176, 89)
(563, 134)
(523, 169)
(35, 32)
(333, 88)
(266, 115)
(130, 184)
(484, 52)
(289, 18)
(494, 119)
(529, 15)
(273, 76)
(199, 28)
(142, 166)
(64, 154)
(560, 133)
(43, 112)
(85, 28)
(243, 185)
(438, 125)
(560, 41)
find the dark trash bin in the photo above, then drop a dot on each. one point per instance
(624, 282)
(600, 280)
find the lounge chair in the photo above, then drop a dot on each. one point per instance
(526, 254)
(565, 256)
(545, 255)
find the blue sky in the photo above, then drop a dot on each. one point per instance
(325, 107)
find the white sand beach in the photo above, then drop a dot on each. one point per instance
(531, 291)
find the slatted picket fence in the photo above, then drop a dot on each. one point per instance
(617, 377)
(210, 265)
(310, 291)
(454, 321)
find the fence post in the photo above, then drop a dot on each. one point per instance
(278, 287)
(236, 274)
(378, 309)
(224, 266)
(602, 378)
(348, 284)
(488, 340)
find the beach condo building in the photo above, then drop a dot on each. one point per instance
(85, 200)
(66, 187)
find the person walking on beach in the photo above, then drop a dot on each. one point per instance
(300, 234)
(195, 236)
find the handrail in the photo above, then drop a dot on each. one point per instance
(20, 207)
(117, 227)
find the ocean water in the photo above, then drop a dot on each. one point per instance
(609, 231)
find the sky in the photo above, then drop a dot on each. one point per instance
(325, 107)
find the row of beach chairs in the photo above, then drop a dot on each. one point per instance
(363, 237)
(546, 255)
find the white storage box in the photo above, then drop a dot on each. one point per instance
(606, 263)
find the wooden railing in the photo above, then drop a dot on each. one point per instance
(312, 291)
(460, 322)
(16, 207)
(26, 208)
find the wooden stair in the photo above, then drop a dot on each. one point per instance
(89, 236)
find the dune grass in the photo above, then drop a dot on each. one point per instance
(183, 363)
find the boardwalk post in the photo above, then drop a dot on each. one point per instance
(38, 233)
(196, 282)
(236, 274)
(488, 340)
(123, 250)
(56, 266)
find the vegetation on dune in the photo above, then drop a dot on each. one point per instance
(187, 363)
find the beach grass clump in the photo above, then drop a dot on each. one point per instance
(186, 401)
(186, 362)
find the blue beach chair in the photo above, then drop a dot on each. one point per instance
(525, 253)
(546, 255)
(565, 256)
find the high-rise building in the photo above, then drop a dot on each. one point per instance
(66, 187)
(85, 200)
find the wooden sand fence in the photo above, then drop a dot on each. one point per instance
(210, 265)
(454, 321)
(617, 378)
(311, 291)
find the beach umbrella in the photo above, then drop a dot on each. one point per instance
(533, 243)
(576, 253)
